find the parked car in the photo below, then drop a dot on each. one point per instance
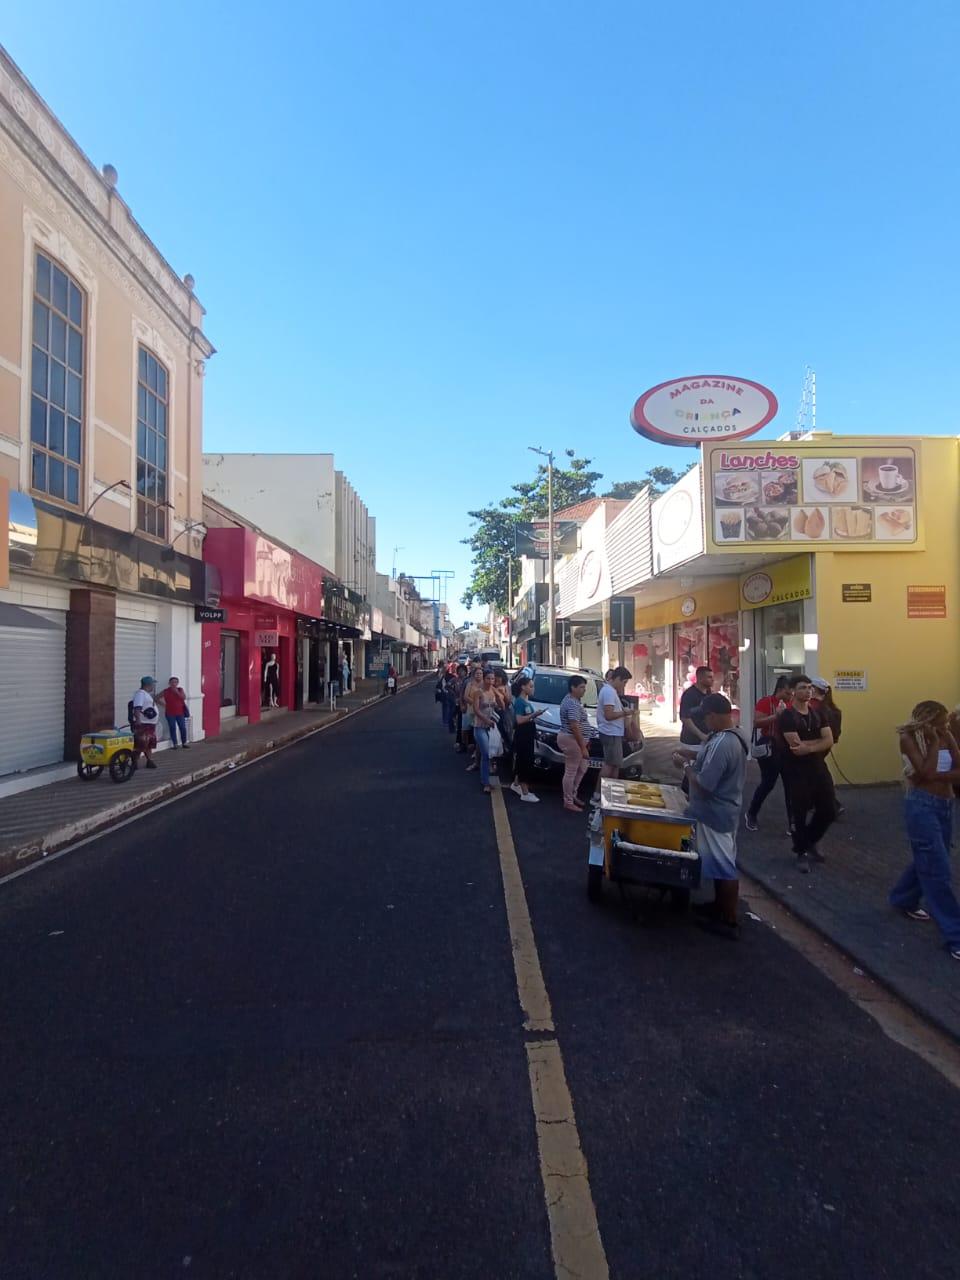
(550, 686)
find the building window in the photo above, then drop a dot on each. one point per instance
(56, 403)
(152, 410)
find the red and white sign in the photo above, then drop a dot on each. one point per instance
(687, 411)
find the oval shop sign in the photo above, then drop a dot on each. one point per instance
(704, 407)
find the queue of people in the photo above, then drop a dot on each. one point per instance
(492, 720)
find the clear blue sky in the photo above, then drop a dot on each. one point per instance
(429, 234)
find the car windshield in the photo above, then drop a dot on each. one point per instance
(553, 689)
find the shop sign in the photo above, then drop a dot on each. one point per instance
(532, 538)
(688, 606)
(927, 602)
(676, 520)
(593, 567)
(850, 681)
(205, 613)
(811, 494)
(856, 592)
(777, 584)
(688, 411)
(622, 614)
(266, 639)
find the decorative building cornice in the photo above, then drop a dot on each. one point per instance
(46, 163)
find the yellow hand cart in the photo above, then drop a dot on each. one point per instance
(110, 749)
(640, 834)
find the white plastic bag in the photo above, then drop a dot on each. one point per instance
(495, 741)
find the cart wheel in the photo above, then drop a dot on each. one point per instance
(594, 883)
(88, 771)
(123, 766)
(679, 900)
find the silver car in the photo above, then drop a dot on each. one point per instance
(550, 687)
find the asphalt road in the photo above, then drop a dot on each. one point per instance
(272, 1030)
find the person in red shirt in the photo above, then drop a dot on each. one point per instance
(176, 710)
(766, 747)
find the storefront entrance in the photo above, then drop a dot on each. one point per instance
(229, 673)
(712, 642)
(649, 661)
(780, 644)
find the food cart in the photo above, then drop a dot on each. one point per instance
(640, 834)
(108, 748)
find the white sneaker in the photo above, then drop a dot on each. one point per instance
(516, 789)
(530, 798)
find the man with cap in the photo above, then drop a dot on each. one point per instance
(144, 720)
(716, 773)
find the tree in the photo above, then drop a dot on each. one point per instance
(571, 484)
(492, 544)
(492, 541)
(659, 479)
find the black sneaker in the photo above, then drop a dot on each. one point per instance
(803, 864)
(722, 928)
(750, 822)
(151, 765)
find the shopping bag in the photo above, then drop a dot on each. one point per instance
(495, 741)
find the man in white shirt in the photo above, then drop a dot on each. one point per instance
(610, 717)
(144, 723)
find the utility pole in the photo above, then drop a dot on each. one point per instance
(509, 609)
(551, 620)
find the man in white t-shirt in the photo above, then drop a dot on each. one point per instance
(610, 717)
(144, 723)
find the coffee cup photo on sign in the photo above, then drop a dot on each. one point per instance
(889, 479)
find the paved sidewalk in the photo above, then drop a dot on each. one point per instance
(35, 823)
(846, 898)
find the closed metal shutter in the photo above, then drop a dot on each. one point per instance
(32, 682)
(135, 657)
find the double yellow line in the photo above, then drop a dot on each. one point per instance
(574, 1232)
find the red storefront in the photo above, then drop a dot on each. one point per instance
(249, 659)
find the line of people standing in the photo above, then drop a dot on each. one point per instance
(492, 721)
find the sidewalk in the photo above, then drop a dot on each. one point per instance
(846, 899)
(35, 823)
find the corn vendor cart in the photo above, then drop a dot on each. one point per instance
(640, 835)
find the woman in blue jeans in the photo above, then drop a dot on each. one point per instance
(931, 765)
(484, 703)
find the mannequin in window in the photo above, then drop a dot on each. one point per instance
(271, 682)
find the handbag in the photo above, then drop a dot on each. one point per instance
(761, 747)
(495, 742)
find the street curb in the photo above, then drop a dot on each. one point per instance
(882, 980)
(19, 859)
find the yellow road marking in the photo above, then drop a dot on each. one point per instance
(574, 1232)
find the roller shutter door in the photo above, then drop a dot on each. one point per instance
(32, 682)
(135, 656)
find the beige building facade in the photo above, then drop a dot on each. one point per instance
(102, 356)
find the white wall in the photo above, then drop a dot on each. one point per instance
(289, 495)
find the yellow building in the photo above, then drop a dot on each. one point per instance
(834, 555)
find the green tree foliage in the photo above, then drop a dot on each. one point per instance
(492, 540)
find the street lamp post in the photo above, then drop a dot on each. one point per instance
(548, 454)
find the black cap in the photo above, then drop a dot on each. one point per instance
(715, 704)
